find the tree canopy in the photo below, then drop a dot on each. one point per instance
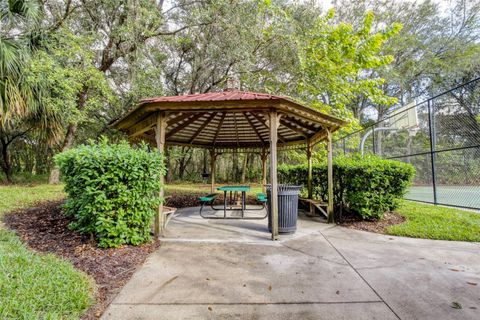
(69, 67)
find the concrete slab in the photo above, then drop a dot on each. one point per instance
(419, 279)
(230, 269)
(189, 226)
(358, 311)
(243, 273)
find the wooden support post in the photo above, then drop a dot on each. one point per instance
(213, 158)
(160, 140)
(309, 170)
(273, 126)
(264, 156)
(331, 216)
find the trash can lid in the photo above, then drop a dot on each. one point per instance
(285, 187)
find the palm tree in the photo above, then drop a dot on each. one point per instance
(21, 108)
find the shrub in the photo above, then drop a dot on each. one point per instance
(366, 185)
(112, 190)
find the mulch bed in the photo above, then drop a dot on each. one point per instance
(44, 228)
(378, 226)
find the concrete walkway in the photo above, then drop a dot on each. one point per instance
(216, 269)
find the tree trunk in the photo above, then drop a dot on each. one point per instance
(235, 169)
(6, 165)
(67, 143)
(69, 137)
(184, 161)
(42, 161)
(29, 160)
(205, 161)
(244, 168)
(16, 160)
(170, 168)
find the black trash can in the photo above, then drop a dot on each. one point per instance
(287, 208)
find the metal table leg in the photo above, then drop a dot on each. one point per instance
(243, 203)
(224, 204)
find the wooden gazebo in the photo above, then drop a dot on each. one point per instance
(232, 119)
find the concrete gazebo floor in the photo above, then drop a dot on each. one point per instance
(189, 226)
(216, 269)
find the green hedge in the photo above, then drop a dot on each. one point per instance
(366, 185)
(112, 190)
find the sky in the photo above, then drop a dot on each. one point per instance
(327, 4)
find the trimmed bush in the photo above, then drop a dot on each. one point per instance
(366, 185)
(113, 190)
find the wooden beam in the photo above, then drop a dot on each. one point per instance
(148, 123)
(290, 145)
(273, 116)
(254, 145)
(143, 126)
(301, 124)
(279, 136)
(213, 158)
(160, 140)
(319, 136)
(219, 128)
(283, 105)
(181, 117)
(311, 114)
(254, 128)
(331, 215)
(309, 169)
(195, 135)
(293, 128)
(236, 106)
(190, 120)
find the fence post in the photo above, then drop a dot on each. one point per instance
(431, 126)
(373, 139)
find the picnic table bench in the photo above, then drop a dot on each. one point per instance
(312, 203)
(229, 204)
(167, 215)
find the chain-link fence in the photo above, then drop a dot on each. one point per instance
(440, 137)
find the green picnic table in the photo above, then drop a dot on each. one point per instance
(232, 189)
(229, 202)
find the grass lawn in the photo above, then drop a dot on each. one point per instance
(20, 196)
(436, 222)
(37, 286)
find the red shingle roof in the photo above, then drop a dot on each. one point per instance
(229, 95)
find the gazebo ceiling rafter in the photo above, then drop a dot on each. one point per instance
(219, 127)
(179, 118)
(254, 128)
(204, 124)
(180, 126)
(294, 128)
(299, 123)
